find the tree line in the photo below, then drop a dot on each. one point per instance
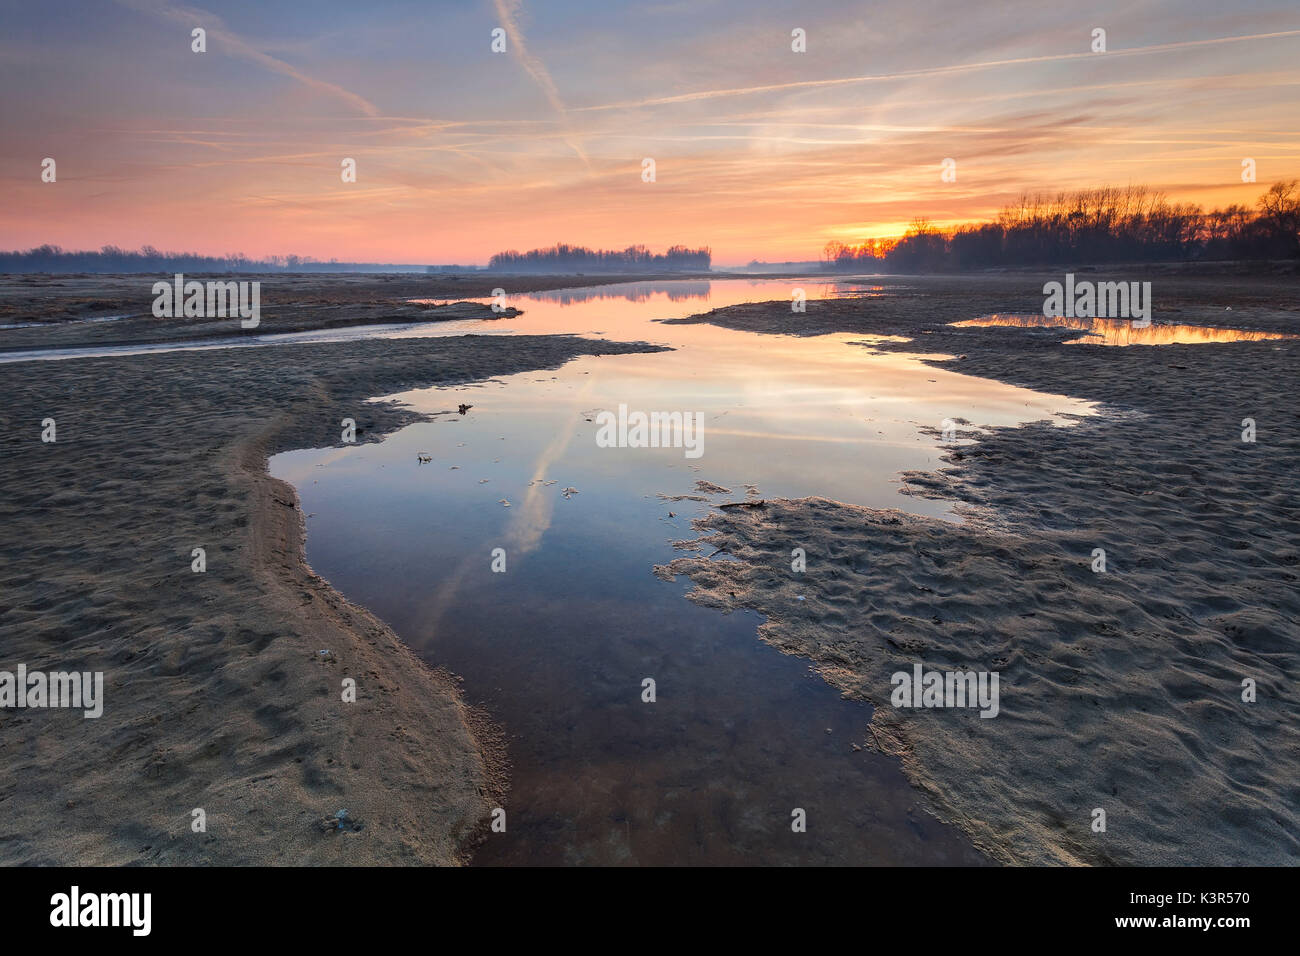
(49, 258)
(1133, 224)
(562, 257)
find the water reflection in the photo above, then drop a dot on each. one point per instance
(556, 647)
(681, 290)
(1124, 332)
(676, 290)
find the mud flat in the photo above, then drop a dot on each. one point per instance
(79, 310)
(1120, 691)
(223, 689)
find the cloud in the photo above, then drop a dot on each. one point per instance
(508, 12)
(926, 72)
(234, 45)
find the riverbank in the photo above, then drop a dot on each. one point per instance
(217, 694)
(1121, 690)
(71, 311)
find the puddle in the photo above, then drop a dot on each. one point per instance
(556, 648)
(347, 334)
(106, 318)
(65, 322)
(1124, 332)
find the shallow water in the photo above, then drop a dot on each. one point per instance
(346, 334)
(556, 648)
(1123, 332)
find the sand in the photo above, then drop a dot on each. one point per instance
(1120, 691)
(217, 695)
(70, 310)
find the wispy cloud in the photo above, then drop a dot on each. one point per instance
(925, 72)
(234, 45)
(761, 152)
(508, 12)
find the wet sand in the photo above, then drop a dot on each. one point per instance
(1119, 690)
(65, 311)
(216, 693)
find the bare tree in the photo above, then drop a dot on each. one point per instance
(1279, 213)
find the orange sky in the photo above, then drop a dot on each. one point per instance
(760, 152)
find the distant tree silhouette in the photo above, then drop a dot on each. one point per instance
(1134, 224)
(147, 259)
(563, 257)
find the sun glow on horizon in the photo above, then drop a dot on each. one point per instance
(760, 152)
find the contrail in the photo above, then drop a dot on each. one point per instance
(507, 11)
(237, 46)
(929, 71)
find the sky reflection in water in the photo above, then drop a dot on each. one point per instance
(556, 648)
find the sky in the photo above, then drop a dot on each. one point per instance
(760, 152)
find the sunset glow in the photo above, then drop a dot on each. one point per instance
(760, 152)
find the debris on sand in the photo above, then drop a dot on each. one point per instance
(709, 488)
(341, 821)
(422, 458)
(463, 408)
